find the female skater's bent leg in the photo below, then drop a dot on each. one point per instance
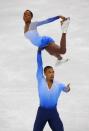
(55, 50)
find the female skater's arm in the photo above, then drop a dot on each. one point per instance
(49, 20)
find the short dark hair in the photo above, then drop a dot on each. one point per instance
(46, 68)
(30, 13)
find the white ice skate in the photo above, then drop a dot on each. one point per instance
(65, 24)
(59, 62)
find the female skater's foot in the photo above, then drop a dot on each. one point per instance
(65, 24)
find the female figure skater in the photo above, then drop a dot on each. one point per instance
(46, 42)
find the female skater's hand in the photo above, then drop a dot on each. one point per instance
(62, 17)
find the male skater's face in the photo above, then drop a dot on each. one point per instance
(27, 16)
(49, 74)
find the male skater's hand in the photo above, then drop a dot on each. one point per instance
(40, 49)
(68, 87)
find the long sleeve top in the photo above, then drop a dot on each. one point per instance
(48, 97)
(33, 35)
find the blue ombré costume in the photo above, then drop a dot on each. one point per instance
(33, 35)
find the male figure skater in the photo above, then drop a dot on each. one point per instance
(31, 33)
(49, 91)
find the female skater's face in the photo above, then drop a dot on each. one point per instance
(27, 17)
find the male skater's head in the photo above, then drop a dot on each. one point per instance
(27, 16)
(49, 73)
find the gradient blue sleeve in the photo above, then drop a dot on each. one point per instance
(39, 66)
(47, 20)
(62, 86)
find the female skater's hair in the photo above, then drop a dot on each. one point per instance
(30, 13)
(47, 67)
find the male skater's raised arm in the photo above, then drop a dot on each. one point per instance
(39, 73)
